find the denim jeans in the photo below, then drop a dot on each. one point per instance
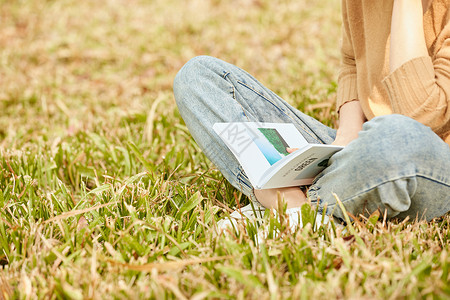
(396, 164)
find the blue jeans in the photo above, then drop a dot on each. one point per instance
(396, 164)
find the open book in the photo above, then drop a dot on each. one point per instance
(260, 148)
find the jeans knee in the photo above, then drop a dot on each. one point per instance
(395, 143)
(395, 125)
(398, 133)
(189, 75)
(192, 69)
(386, 166)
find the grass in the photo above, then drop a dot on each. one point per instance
(104, 194)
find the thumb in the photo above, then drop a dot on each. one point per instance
(290, 150)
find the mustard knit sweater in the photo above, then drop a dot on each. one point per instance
(419, 89)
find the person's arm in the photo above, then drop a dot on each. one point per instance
(419, 83)
(351, 120)
(407, 34)
(351, 116)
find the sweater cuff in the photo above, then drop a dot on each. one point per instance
(347, 90)
(408, 86)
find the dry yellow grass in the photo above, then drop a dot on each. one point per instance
(76, 64)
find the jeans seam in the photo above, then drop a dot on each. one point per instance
(306, 130)
(430, 177)
(379, 184)
(433, 179)
(225, 76)
(240, 179)
(242, 183)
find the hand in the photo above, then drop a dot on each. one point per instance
(342, 139)
(351, 120)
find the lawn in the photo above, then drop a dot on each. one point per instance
(104, 194)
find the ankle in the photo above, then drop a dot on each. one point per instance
(293, 196)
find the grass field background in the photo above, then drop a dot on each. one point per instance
(104, 194)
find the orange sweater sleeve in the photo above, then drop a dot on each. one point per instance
(347, 89)
(420, 88)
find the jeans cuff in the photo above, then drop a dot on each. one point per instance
(244, 185)
(313, 196)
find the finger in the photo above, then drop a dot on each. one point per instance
(290, 150)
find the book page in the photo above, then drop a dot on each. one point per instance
(258, 146)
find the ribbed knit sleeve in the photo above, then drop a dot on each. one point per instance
(420, 88)
(347, 88)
